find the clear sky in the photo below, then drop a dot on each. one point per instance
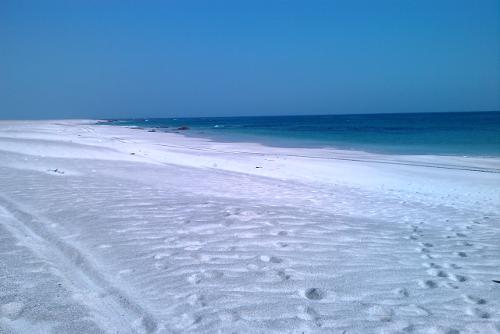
(118, 59)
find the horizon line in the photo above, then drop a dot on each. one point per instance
(243, 116)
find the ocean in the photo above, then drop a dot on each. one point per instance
(463, 134)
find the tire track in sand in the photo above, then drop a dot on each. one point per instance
(114, 309)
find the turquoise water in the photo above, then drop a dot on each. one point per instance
(472, 134)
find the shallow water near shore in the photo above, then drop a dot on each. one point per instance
(471, 133)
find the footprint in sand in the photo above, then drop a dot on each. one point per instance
(437, 272)
(423, 250)
(314, 294)
(283, 275)
(474, 300)
(478, 313)
(271, 259)
(458, 278)
(450, 285)
(432, 265)
(428, 284)
(461, 254)
(401, 292)
(464, 243)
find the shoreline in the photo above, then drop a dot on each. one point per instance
(190, 133)
(374, 133)
(354, 152)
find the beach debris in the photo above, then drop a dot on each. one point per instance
(152, 130)
(56, 171)
(258, 166)
(132, 153)
(496, 281)
(183, 128)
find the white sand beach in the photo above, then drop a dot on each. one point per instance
(107, 229)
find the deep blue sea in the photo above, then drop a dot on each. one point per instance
(464, 134)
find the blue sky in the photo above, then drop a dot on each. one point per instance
(118, 59)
